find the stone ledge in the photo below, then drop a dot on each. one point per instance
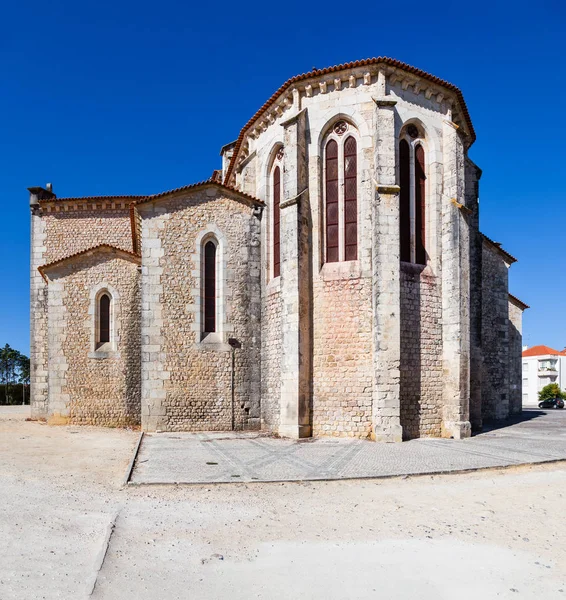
(336, 271)
(385, 101)
(103, 354)
(387, 189)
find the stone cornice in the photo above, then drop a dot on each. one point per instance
(366, 72)
(86, 204)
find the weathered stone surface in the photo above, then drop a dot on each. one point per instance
(370, 347)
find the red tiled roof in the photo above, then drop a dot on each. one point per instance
(96, 248)
(206, 182)
(521, 304)
(541, 350)
(90, 199)
(351, 65)
(498, 247)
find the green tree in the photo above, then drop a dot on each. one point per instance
(552, 390)
(14, 369)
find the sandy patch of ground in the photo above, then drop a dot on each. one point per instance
(483, 535)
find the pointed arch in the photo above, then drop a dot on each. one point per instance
(209, 286)
(104, 318)
(350, 199)
(405, 200)
(412, 197)
(332, 208)
(276, 222)
(420, 205)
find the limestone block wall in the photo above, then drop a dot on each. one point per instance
(38, 320)
(421, 353)
(271, 351)
(191, 383)
(515, 358)
(342, 357)
(83, 389)
(495, 335)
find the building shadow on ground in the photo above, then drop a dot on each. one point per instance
(528, 414)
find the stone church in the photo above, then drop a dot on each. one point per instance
(329, 279)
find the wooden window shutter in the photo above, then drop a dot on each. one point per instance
(332, 254)
(405, 201)
(420, 187)
(350, 199)
(210, 287)
(104, 319)
(276, 222)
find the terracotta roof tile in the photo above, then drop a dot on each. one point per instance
(498, 247)
(541, 350)
(521, 304)
(193, 186)
(89, 199)
(96, 248)
(351, 65)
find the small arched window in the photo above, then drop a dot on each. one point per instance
(341, 194)
(104, 318)
(412, 197)
(209, 290)
(276, 222)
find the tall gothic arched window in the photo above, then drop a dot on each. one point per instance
(412, 197)
(405, 200)
(332, 209)
(420, 191)
(350, 199)
(341, 194)
(276, 222)
(209, 284)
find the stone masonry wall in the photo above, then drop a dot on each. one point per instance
(187, 381)
(495, 335)
(515, 358)
(38, 320)
(83, 389)
(343, 359)
(72, 231)
(271, 349)
(421, 353)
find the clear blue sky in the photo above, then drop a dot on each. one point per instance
(128, 97)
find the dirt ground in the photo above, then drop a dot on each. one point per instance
(498, 534)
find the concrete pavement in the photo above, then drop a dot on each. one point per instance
(537, 436)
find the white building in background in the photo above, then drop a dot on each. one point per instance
(542, 365)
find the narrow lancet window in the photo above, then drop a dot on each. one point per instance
(276, 222)
(332, 208)
(412, 200)
(405, 200)
(350, 199)
(104, 319)
(210, 287)
(420, 185)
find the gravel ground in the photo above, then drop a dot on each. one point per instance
(497, 534)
